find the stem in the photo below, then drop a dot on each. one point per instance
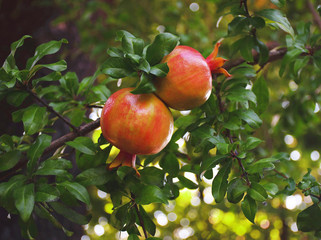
(316, 16)
(281, 174)
(244, 3)
(93, 106)
(141, 221)
(50, 109)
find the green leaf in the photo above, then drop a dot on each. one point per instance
(152, 176)
(277, 16)
(149, 224)
(247, 44)
(133, 45)
(309, 219)
(70, 83)
(133, 237)
(44, 213)
(84, 145)
(211, 162)
(76, 116)
(239, 94)
(279, 3)
(16, 98)
(251, 143)
(54, 76)
(262, 164)
(220, 182)
(37, 148)
(272, 188)
(162, 45)
(117, 67)
(121, 33)
(145, 85)
(69, 213)
(170, 164)
(34, 118)
(257, 22)
(257, 192)
(9, 63)
(263, 50)
(150, 194)
(24, 199)
(6, 188)
(77, 190)
(261, 91)
(185, 182)
(236, 189)
(249, 208)
(238, 25)
(57, 66)
(289, 57)
(9, 159)
(249, 116)
(43, 50)
(94, 176)
(159, 70)
(115, 52)
(46, 193)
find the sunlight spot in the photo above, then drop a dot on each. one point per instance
(101, 194)
(218, 21)
(102, 221)
(291, 202)
(99, 230)
(315, 155)
(275, 120)
(294, 227)
(184, 222)
(186, 112)
(285, 104)
(295, 155)
(194, 7)
(293, 86)
(119, 82)
(160, 28)
(317, 108)
(85, 237)
(172, 217)
(208, 197)
(288, 139)
(265, 224)
(195, 201)
(191, 176)
(161, 218)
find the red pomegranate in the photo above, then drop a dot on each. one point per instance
(188, 83)
(136, 124)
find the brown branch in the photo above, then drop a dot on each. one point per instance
(316, 16)
(50, 109)
(83, 130)
(274, 54)
(141, 221)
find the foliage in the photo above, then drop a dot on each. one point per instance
(228, 133)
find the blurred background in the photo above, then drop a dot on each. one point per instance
(291, 123)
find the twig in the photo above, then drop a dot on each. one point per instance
(50, 109)
(244, 3)
(281, 174)
(316, 16)
(141, 221)
(93, 106)
(83, 130)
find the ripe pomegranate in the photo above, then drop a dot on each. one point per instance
(136, 124)
(188, 83)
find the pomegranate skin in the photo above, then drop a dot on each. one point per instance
(136, 124)
(188, 83)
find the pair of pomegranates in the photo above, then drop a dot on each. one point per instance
(142, 123)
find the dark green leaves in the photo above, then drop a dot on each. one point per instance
(236, 189)
(117, 67)
(170, 164)
(220, 183)
(261, 91)
(69, 213)
(9, 160)
(163, 44)
(94, 176)
(257, 192)
(34, 118)
(43, 50)
(83, 144)
(249, 208)
(309, 219)
(24, 200)
(149, 194)
(277, 16)
(77, 190)
(35, 151)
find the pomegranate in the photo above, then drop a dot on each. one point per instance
(188, 83)
(136, 124)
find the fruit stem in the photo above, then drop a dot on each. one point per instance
(124, 159)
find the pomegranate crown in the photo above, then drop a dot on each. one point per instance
(216, 63)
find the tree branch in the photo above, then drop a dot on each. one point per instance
(316, 16)
(83, 130)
